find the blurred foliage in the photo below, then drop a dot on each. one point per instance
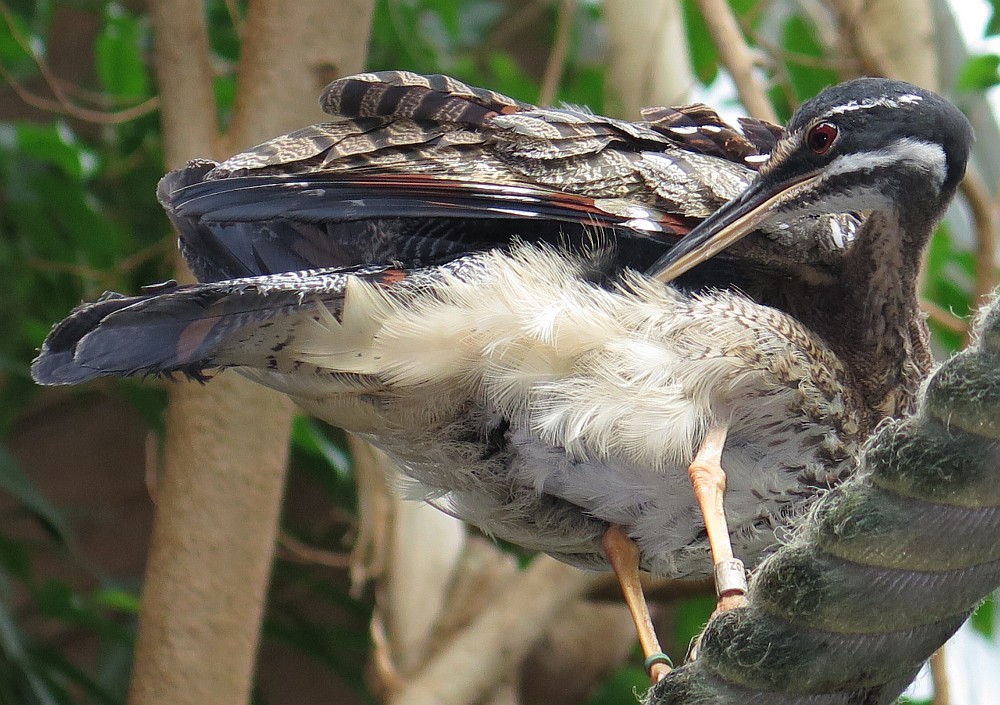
(78, 216)
(979, 73)
(621, 686)
(984, 619)
(993, 26)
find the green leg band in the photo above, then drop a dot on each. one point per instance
(653, 659)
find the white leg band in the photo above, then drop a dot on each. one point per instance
(730, 578)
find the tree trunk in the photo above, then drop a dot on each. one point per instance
(649, 64)
(871, 32)
(220, 489)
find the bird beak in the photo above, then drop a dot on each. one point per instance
(728, 225)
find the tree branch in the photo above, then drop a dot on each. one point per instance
(984, 218)
(477, 659)
(302, 552)
(946, 319)
(63, 104)
(184, 76)
(939, 674)
(557, 55)
(736, 56)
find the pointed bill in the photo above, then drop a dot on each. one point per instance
(727, 226)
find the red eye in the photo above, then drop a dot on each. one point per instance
(821, 137)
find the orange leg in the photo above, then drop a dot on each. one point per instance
(709, 482)
(623, 555)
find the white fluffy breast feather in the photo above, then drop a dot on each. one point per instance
(630, 375)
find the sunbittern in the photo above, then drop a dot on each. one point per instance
(455, 276)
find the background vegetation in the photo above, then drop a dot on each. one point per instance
(81, 150)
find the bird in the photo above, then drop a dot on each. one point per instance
(558, 323)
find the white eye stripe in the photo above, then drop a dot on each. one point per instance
(927, 155)
(867, 104)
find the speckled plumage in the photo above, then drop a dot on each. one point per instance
(528, 400)
(370, 268)
(884, 571)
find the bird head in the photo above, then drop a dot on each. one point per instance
(864, 146)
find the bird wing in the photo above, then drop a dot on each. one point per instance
(415, 172)
(251, 225)
(421, 169)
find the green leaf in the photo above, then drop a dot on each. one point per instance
(448, 15)
(225, 97)
(57, 600)
(54, 143)
(14, 558)
(508, 78)
(704, 55)
(741, 8)
(948, 282)
(984, 618)
(621, 687)
(15, 483)
(692, 616)
(584, 86)
(993, 26)
(118, 56)
(308, 436)
(15, 651)
(116, 599)
(321, 451)
(60, 669)
(223, 34)
(979, 73)
(800, 40)
(150, 402)
(11, 52)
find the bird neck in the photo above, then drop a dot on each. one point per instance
(869, 313)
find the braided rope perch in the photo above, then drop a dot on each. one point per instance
(885, 569)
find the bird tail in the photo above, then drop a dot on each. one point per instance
(190, 329)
